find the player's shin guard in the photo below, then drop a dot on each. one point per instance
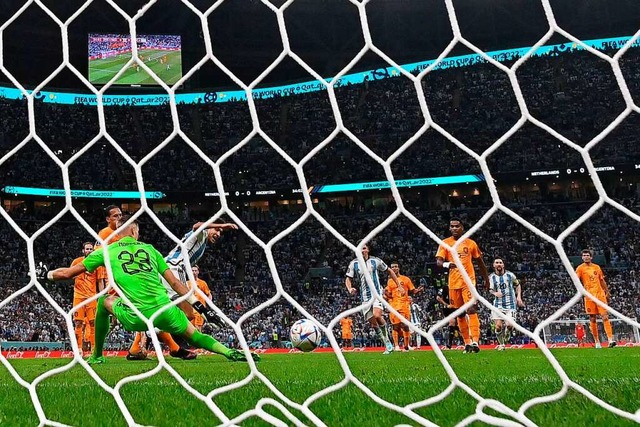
(396, 338)
(608, 329)
(500, 336)
(207, 342)
(102, 327)
(463, 325)
(474, 327)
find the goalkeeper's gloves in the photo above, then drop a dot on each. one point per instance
(42, 271)
(209, 314)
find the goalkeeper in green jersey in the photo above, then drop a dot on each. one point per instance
(136, 268)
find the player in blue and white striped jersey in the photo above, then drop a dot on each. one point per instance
(195, 249)
(416, 320)
(507, 292)
(373, 314)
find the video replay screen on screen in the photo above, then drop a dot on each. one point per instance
(109, 53)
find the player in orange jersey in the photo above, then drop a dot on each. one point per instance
(84, 287)
(592, 279)
(459, 292)
(346, 328)
(113, 214)
(198, 320)
(400, 299)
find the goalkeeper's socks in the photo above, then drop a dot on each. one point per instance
(101, 327)
(207, 342)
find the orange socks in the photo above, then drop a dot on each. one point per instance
(593, 325)
(407, 338)
(135, 347)
(464, 329)
(165, 338)
(474, 327)
(608, 329)
(78, 332)
(396, 338)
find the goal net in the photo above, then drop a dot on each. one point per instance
(330, 142)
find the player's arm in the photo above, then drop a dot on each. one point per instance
(603, 284)
(349, 284)
(493, 290)
(413, 290)
(519, 301)
(225, 226)
(397, 282)
(63, 273)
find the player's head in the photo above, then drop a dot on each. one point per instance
(498, 265)
(587, 255)
(365, 251)
(195, 270)
(395, 267)
(133, 229)
(87, 248)
(213, 235)
(456, 227)
(112, 214)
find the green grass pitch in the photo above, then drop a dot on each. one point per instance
(103, 70)
(513, 377)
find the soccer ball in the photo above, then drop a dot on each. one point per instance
(305, 335)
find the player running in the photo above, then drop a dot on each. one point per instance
(137, 268)
(507, 292)
(592, 279)
(459, 292)
(373, 314)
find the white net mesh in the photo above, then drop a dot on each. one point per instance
(410, 410)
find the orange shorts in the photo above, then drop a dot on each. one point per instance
(459, 297)
(198, 320)
(593, 308)
(395, 319)
(87, 311)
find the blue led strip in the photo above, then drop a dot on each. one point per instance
(418, 182)
(313, 86)
(54, 192)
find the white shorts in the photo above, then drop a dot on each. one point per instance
(181, 273)
(509, 314)
(368, 313)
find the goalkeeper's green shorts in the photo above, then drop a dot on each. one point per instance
(171, 320)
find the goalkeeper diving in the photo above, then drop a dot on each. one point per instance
(137, 269)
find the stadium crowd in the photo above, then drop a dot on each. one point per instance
(573, 93)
